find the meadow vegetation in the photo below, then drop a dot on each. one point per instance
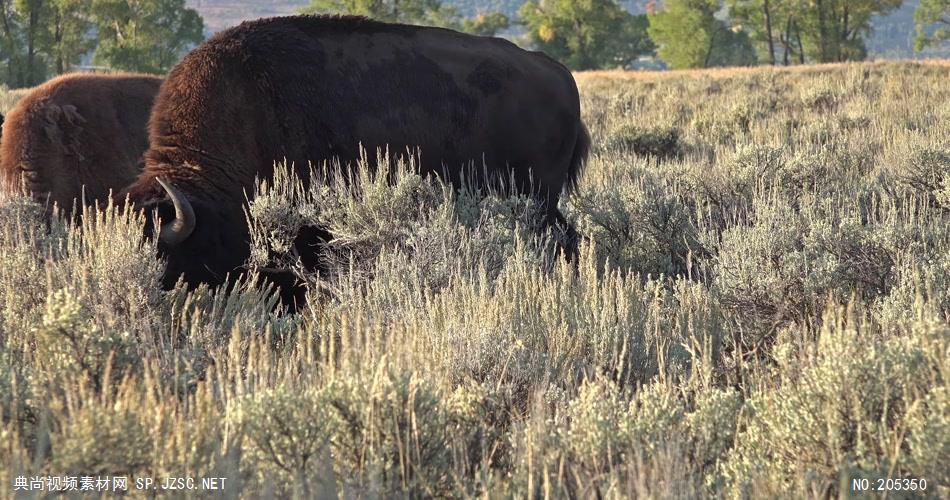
(760, 308)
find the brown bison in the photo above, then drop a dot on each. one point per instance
(309, 88)
(76, 135)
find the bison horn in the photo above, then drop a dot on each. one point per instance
(180, 229)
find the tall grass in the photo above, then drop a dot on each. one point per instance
(759, 308)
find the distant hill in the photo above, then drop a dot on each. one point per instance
(892, 38)
(472, 7)
(221, 14)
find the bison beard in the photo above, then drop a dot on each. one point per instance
(77, 136)
(309, 89)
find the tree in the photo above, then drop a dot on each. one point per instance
(486, 24)
(420, 12)
(43, 37)
(773, 26)
(689, 36)
(813, 30)
(144, 35)
(758, 16)
(24, 36)
(393, 11)
(446, 16)
(790, 31)
(834, 30)
(932, 21)
(9, 44)
(630, 42)
(586, 34)
(732, 47)
(39, 35)
(69, 33)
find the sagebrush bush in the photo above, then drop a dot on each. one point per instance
(98, 433)
(289, 430)
(639, 221)
(927, 171)
(72, 345)
(820, 419)
(659, 143)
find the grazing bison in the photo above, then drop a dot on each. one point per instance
(78, 133)
(311, 88)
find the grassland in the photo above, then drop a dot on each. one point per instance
(760, 309)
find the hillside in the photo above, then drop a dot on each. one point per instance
(221, 14)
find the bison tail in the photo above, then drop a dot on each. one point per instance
(578, 157)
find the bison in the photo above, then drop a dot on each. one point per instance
(313, 88)
(78, 135)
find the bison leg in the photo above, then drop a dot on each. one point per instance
(309, 242)
(567, 235)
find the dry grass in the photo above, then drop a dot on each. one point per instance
(761, 308)
(732, 72)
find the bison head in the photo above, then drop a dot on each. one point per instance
(201, 241)
(180, 228)
(205, 242)
(48, 155)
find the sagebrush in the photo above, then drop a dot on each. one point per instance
(759, 308)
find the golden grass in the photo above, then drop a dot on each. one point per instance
(733, 72)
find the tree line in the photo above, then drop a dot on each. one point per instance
(42, 38)
(592, 34)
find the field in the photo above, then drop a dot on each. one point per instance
(759, 310)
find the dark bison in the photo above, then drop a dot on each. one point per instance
(77, 133)
(311, 88)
